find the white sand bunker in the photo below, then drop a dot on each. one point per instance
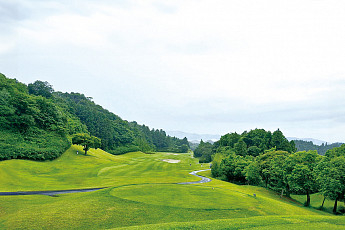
(171, 161)
(173, 154)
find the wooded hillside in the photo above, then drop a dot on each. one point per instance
(37, 123)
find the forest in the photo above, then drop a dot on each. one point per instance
(38, 123)
(266, 159)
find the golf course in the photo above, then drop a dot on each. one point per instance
(142, 191)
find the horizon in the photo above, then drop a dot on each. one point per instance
(197, 66)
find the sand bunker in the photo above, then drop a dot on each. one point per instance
(171, 161)
(173, 154)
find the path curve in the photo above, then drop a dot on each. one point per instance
(203, 179)
(56, 192)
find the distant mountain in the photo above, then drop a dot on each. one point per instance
(315, 141)
(194, 137)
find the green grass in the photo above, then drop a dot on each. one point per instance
(143, 194)
(97, 169)
(259, 222)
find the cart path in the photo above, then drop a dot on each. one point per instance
(56, 192)
(203, 179)
(49, 193)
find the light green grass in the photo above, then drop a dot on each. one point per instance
(97, 169)
(142, 193)
(260, 222)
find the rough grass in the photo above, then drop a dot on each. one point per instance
(143, 194)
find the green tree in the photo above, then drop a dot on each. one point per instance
(301, 176)
(253, 173)
(241, 147)
(184, 148)
(331, 175)
(86, 141)
(280, 142)
(41, 88)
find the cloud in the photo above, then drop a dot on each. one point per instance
(196, 65)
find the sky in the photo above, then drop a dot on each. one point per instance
(200, 66)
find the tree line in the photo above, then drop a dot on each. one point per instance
(309, 145)
(269, 160)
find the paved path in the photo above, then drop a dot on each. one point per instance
(49, 193)
(203, 179)
(56, 192)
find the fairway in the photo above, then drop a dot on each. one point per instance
(142, 192)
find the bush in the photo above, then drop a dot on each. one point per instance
(43, 146)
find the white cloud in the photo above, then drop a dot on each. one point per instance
(266, 63)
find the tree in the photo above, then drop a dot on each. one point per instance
(301, 176)
(280, 142)
(331, 175)
(204, 151)
(184, 148)
(86, 141)
(40, 88)
(254, 151)
(241, 147)
(253, 173)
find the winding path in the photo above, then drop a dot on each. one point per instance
(56, 192)
(203, 179)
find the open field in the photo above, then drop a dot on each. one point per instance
(142, 193)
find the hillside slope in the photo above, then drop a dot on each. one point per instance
(37, 123)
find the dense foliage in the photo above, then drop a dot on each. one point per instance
(31, 126)
(204, 152)
(252, 143)
(279, 168)
(37, 123)
(308, 145)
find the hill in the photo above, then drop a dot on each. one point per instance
(194, 137)
(142, 192)
(37, 123)
(302, 145)
(315, 141)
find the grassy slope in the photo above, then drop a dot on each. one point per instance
(97, 169)
(138, 194)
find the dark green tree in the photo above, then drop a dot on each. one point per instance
(41, 88)
(280, 142)
(240, 147)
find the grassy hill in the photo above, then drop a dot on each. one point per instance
(142, 193)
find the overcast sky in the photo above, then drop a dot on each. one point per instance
(201, 66)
